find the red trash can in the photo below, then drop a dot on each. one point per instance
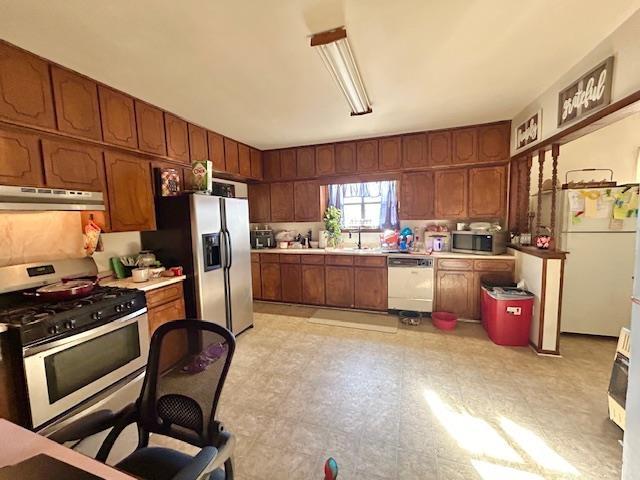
(506, 315)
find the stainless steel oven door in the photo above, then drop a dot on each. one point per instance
(62, 374)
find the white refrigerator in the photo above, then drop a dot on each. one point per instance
(598, 271)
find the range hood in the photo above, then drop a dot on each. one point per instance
(38, 198)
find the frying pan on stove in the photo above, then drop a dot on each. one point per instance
(66, 289)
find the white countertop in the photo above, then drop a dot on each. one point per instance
(341, 251)
(150, 284)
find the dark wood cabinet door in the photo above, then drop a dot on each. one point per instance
(282, 202)
(150, 121)
(488, 192)
(464, 148)
(345, 154)
(371, 288)
(73, 165)
(493, 142)
(256, 164)
(216, 150)
(20, 160)
(118, 118)
(130, 194)
(367, 156)
(414, 151)
(325, 160)
(256, 280)
(198, 144)
(390, 153)
(270, 281)
(177, 138)
(288, 167)
(451, 193)
(455, 292)
(259, 202)
(307, 201)
(271, 165)
(305, 162)
(313, 285)
(339, 286)
(417, 194)
(439, 148)
(231, 161)
(76, 101)
(244, 160)
(25, 88)
(291, 282)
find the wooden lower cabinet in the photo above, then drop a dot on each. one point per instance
(166, 304)
(371, 288)
(455, 292)
(291, 280)
(313, 284)
(270, 281)
(256, 282)
(339, 286)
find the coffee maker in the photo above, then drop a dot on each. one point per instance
(262, 238)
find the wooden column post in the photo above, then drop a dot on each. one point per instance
(555, 152)
(527, 191)
(541, 154)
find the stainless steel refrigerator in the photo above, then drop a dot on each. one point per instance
(209, 237)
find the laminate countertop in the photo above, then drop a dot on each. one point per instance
(376, 252)
(150, 284)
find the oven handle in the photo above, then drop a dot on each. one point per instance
(63, 343)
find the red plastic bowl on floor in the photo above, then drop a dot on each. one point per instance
(444, 320)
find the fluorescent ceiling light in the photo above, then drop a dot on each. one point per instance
(336, 54)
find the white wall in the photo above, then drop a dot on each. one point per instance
(623, 43)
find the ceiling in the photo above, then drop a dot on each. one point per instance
(244, 68)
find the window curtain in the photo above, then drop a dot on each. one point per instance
(386, 190)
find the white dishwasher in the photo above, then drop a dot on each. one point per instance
(410, 282)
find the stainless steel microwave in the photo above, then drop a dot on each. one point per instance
(480, 243)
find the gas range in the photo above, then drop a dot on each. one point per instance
(37, 321)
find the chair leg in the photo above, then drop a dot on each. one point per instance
(228, 469)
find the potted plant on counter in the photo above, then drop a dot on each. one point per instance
(333, 232)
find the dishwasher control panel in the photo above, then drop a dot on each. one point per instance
(410, 262)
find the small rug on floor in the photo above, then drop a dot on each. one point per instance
(376, 322)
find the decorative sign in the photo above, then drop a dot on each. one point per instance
(529, 131)
(588, 93)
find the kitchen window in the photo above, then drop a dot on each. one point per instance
(367, 205)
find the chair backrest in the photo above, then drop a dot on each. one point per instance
(187, 367)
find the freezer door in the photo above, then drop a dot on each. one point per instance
(236, 226)
(209, 282)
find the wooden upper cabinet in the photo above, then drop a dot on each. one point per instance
(439, 148)
(25, 88)
(177, 137)
(259, 195)
(198, 147)
(288, 164)
(417, 196)
(271, 165)
(77, 105)
(118, 118)
(493, 142)
(345, 157)
(451, 194)
(231, 160)
(325, 160)
(73, 165)
(282, 202)
(390, 153)
(487, 192)
(414, 150)
(20, 160)
(150, 121)
(256, 164)
(216, 150)
(306, 162)
(130, 195)
(367, 156)
(244, 160)
(339, 289)
(464, 145)
(307, 201)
